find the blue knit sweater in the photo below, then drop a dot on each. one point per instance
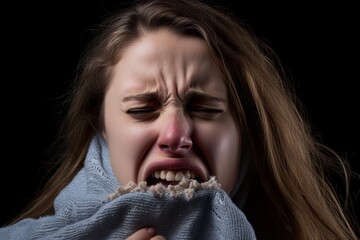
(93, 206)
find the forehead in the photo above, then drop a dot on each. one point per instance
(163, 58)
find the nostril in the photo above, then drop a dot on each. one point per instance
(163, 146)
(180, 146)
(186, 143)
(186, 146)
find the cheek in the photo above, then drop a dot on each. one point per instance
(127, 142)
(221, 146)
(227, 160)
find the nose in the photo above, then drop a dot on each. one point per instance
(175, 134)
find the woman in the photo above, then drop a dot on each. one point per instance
(271, 166)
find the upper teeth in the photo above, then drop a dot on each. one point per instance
(170, 175)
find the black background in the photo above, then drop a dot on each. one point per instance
(42, 43)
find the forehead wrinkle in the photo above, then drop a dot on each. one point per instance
(190, 73)
(198, 72)
(169, 76)
(183, 78)
(161, 78)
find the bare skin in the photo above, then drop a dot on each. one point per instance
(167, 116)
(146, 234)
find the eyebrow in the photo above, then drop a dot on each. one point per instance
(194, 95)
(191, 95)
(146, 96)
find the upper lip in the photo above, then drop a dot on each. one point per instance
(175, 164)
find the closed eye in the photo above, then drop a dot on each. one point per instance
(205, 113)
(142, 113)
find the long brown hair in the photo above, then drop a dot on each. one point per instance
(286, 160)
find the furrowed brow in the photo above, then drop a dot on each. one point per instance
(201, 96)
(146, 96)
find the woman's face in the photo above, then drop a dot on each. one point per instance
(167, 115)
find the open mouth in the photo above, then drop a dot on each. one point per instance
(167, 177)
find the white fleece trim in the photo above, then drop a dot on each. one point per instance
(185, 188)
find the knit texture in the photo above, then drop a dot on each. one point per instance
(93, 206)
